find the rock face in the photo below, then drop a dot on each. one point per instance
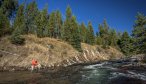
(93, 54)
(51, 52)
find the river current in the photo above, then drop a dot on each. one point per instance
(101, 73)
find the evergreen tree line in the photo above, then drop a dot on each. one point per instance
(30, 20)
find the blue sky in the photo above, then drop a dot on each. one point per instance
(120, 14)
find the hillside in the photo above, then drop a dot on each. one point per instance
(51, 52)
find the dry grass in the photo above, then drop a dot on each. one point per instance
(38, 48)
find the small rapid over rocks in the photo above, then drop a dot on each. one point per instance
(107, 72)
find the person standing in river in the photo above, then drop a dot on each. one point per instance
(34, 64)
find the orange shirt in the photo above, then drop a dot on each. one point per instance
(34, 62)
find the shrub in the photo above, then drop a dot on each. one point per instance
(17, 39)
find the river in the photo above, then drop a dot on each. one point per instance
(101, 73)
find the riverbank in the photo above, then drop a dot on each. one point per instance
(127, 65)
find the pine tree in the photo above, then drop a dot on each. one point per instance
(119, 36)
(104, 33)
(126, 44)
(30, 15)
(41, 22)
(83, 32)
(59, 23)
(71, 30)
(139, 33)
(44, 18)
(98, 39)
(19, 22)
(51, 25)
(38, 20)
(4, 24)
(113, 38)
(75, 40)
(90, 34)
(9, 7)
(66, 26)
(68, 13)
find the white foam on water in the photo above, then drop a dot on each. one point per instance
(95, 72)
(130, 74)
(84, 77)
(137, 75)
(93, 66)
(89, 67)
(111, 68)
(90, 75)
(116, 74)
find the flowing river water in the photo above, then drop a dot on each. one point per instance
(101, 73)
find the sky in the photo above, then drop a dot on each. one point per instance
(120, 14)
